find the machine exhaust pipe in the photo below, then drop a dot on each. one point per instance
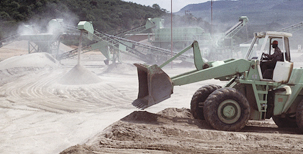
(154, 86)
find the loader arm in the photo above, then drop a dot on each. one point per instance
(155, 85)
(226, 69)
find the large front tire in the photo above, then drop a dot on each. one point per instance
(286, 122)
(197, 101)
(226, 109)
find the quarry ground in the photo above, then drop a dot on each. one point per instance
(50, 107)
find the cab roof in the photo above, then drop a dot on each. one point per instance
(273, 34)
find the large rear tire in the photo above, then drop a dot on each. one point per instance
(286, 122)
(299, 116)
(197, 101)
(226, 109)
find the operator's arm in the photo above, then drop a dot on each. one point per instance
(268, 56)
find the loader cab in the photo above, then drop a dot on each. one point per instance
(268, 70)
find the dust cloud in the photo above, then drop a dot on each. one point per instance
(51, 107)
(40, 115)
(35, 60)
(79, 75)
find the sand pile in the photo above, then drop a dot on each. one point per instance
(175, 131)
(13, 68)
(79, 75)
(121, 68)
(177, 113)
(34, 60)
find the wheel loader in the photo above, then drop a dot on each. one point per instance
(250, 93)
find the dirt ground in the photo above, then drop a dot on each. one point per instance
(47, 106)
(174, 130)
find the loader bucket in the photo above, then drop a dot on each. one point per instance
(154, 86)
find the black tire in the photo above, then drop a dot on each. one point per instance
(287, 122)
(299, 116)
(226, 109)
(197, 101)
(106, 62)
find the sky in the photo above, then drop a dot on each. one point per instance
(166, 4)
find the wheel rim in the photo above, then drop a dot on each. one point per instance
(229, 111)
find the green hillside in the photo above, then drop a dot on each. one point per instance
(109, 16)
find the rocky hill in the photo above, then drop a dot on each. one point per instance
(283, 12)
(263, 15)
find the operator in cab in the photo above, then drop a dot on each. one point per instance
(277, 55)
(272, 60)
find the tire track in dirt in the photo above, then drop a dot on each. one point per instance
(176, 131)
(26, 98)
(41, 90)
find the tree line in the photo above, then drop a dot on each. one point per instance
(109, 16)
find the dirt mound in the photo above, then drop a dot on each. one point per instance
(121, 68)
(34, 60)
(168, 115)
(175, 131)
(143, 117)
(177, 113)
(15, 67)
(79, 75)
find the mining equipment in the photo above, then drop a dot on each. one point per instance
(249, 94)
(222, 44)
